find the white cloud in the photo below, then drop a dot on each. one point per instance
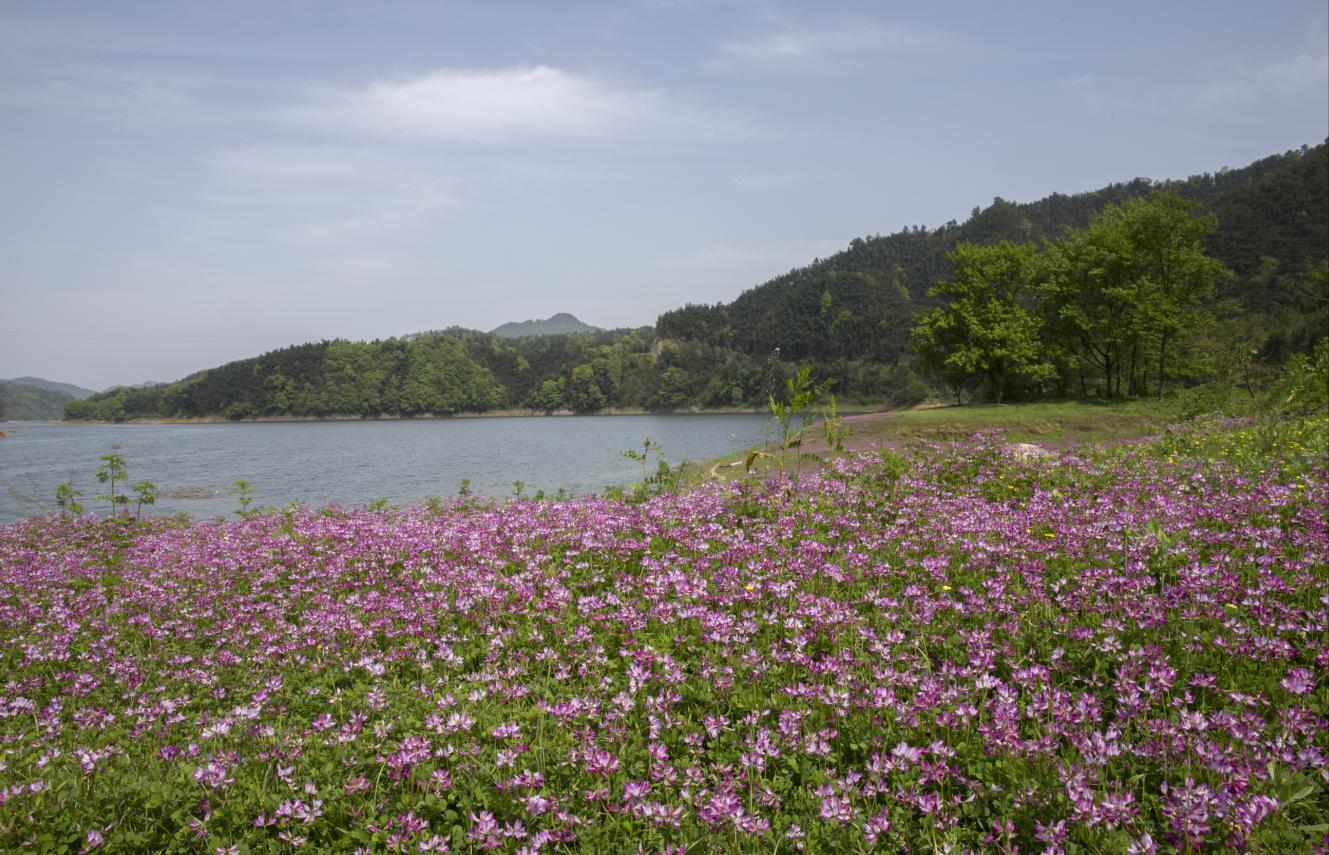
(795, 43)
(320, 195)
(1298, 80)
(507, 105)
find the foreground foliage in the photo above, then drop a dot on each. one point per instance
(957, 649)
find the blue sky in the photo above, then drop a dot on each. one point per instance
(190, 183)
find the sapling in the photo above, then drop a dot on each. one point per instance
(145, 493)
(243, 493)
(664, 479)
(112, 471)
(66, 499)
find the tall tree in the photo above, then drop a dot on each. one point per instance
(1166, 234)
(987, 328)
(1121, 292)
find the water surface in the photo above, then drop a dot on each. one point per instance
(352, 462)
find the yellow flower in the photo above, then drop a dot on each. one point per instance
(945, 587)
(750, 586)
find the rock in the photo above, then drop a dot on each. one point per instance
(1029, 451)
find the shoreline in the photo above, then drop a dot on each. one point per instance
(489, 414)
(388, 417)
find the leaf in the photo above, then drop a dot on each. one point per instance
(1300, 794)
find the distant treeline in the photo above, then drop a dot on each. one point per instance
(853, 317)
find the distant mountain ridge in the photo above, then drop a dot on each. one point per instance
(559, 324)
(22, 402)
(78, 393)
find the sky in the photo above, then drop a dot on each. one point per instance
(188, 183)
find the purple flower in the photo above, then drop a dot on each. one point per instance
(1299, 681)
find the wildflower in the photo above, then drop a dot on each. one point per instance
(95, 837)
(1299, 681)
(511, 730)
(875, 827)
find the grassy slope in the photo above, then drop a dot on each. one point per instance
(1048, 424)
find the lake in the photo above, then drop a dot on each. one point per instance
(352, 462)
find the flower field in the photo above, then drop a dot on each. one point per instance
(952, 649)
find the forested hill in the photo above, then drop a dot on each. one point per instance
(52, 386)
(848, 317)
(20, 401)
(560, 324)
(1272, 229)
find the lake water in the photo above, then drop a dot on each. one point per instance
(354, 462)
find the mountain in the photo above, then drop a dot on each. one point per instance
(560, 324)
(847, 317)
(20, 401)
(76, 392)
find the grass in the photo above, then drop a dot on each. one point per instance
(1060, 424)
(1078, 421)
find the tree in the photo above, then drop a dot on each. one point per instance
(1166, 234)
(548, 396)
(672, 390)
(986, 328)
(1089, 303)
(1122, 291)
(583, 394)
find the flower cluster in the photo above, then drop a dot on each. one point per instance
(1101, 651)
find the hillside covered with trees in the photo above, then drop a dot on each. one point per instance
(559, 324)
(1066, 284)
(21, 401)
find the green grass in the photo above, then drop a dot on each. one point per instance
(1069, 420)
(1059, 423)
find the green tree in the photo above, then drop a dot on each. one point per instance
(548, 396)
(1121, 293)
(583, 393)
(672, 390)
(1166, 236)
(986, 327)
